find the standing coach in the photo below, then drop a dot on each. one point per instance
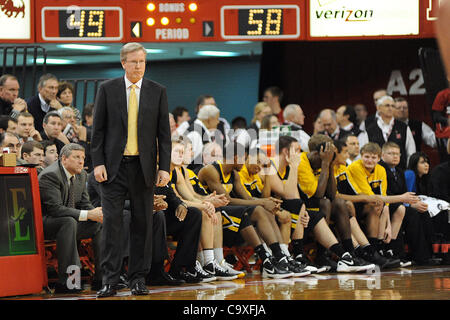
(131, 125)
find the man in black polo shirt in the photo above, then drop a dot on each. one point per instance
(387, 128)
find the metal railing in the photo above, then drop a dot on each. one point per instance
(33, 60)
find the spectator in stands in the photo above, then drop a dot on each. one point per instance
(261, 110)
(172, 123)
(352, 143)
(50, 153)
(420, 130)
(387, 128)
(68, 215)
(65, 96)
(4, 123)
(346, 119)
(11, 141)
(273, 96)
(331, 129)
(441, 119)
(240, 133)
(87, 117)
(269, 122)
(8, 124)
(71, 129)
(10, 103)
(45, 100)
(203, 100)
(440, 112)
(52, 126)
(76, 133)
(32, 153)
(204, 130)
(295, 119)
(26, 129)
(180, 115)
(373, 117)
(361, 113)
(318, 125)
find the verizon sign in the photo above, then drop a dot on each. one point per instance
(348, 18)
(15, 19)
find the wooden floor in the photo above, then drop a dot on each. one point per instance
(415, 283)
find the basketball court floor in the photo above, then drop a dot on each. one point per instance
(415, 283)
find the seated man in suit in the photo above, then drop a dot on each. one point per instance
(68, 215)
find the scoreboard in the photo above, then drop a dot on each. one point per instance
(43, 21)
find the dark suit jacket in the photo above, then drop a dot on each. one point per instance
(34, 107)
(110, 128)
(395, 185)
(54, 190)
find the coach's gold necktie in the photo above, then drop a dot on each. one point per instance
(131, 148)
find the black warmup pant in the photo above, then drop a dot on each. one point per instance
(67, 231)
(187, 234)
(129, 182)
(417, 234)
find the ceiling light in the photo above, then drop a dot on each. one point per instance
(238, 42)
(155, 50)
(53, 61)
(217, 53)
(75, 46)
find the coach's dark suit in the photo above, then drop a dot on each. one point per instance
(61, 222)
(133, 177)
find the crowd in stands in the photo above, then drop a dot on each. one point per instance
(358, 186)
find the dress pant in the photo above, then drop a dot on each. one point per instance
(67, 231)
(160, 250)
(129, 182)
(187, 234)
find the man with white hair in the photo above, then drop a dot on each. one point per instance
(373, 117)
(74, 132)
(204, 130)
(387, 128)
(329, 122)
(295, 118)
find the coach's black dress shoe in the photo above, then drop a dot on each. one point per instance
(139, 289)
(164, 279)
(108, 290)
(62, 289)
